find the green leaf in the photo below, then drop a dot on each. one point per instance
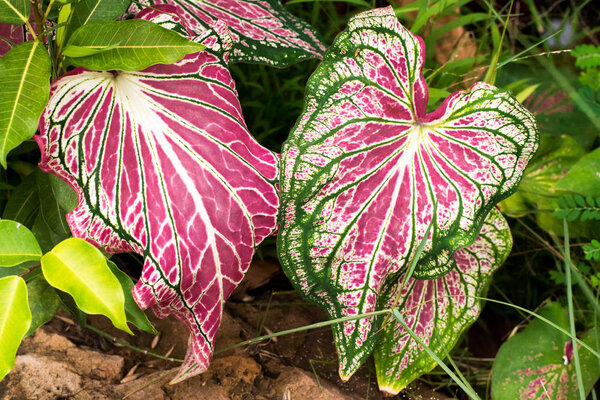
(50, 210)
(78, 268)
(583, 177)
(17, 244)
(87, 11)
(25, 83)
(63, 193)
(23, 202)
(43, 303)
(15, 318)
(129, 45)
(537, 363)
(14, 11)
(133, 312)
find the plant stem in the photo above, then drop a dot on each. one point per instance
(125, 344)
(567, 254)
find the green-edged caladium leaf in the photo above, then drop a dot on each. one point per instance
(163, 165)
(263, 31)
(538, 363)
(129, 45)
(364, 166)
(25, 83)
(15, 319)
(438, 310)
(17, 244)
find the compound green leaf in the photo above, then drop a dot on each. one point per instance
(15, 318)
(25, 83)
(438, 310)
(78, 268)
(130, 45)
(17, 244)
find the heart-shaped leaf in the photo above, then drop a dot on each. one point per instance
(538, 362)
(438, 310)
(78, 268)
(365, 165)
(25, 83)
(128, 45)
(263, 31)
(163, 165)
(17, 244)
(15, 318)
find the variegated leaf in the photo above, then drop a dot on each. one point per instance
(263, 31)
(14, 34)
(438, 310)
(365, 165)
(163, 165)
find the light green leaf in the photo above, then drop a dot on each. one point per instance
(537, 363)
(129, 45)
(15, 319)
(583, 178)
(78, 268)
(14, 11)
(17, 244)
(87, 11)
(134, 314)
(25, 83)
(43, 303)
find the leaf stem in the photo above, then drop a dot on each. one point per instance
(567, 254)
(129, 346)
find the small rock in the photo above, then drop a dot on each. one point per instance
(39, 377)
(298, 384)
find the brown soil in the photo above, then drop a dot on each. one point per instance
(62, 360)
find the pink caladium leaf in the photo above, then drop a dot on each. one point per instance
(538, 363)
(263, 31)
(438, 310)
(365, 165)
(163, 165)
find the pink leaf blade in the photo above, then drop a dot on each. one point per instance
(365, 166)
(163, 165)
(439, 310)
(262, 31)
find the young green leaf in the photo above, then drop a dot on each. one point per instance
(129, 45)
(133, 312)
(17, 244)
(87, 11)
(438, 310)
(538, 362)
(14, 11)
(78, 268)
(25, 83)
(15, 319)
(43, 303)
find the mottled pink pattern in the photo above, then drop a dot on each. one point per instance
(163, 165)
(260, 29)
(365, 166)
(438, 310)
